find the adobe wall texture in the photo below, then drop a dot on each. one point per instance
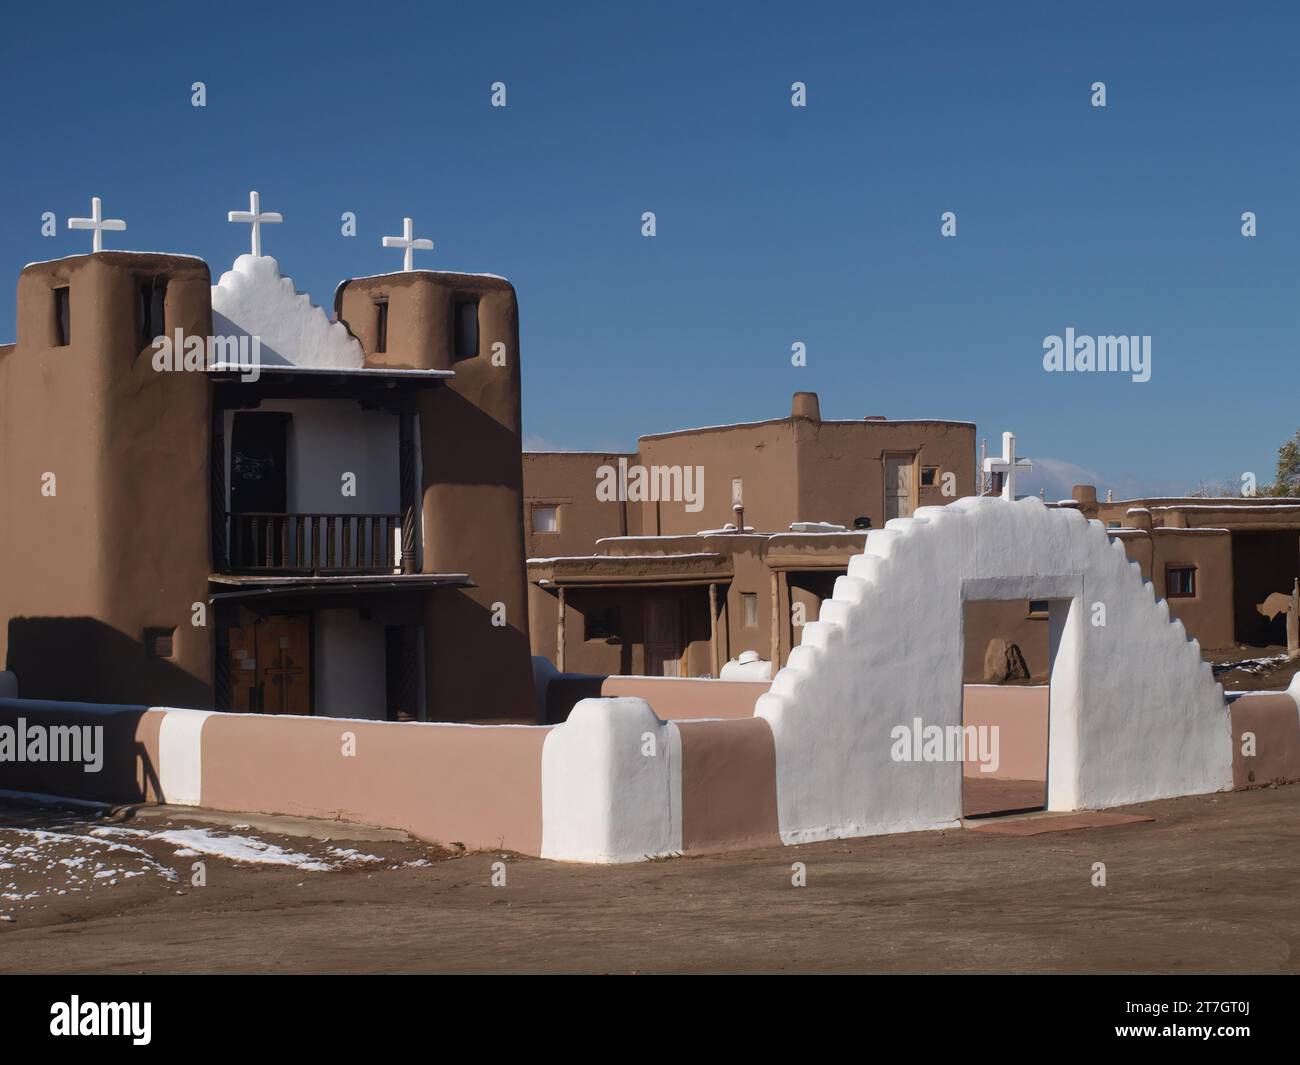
(123, 543)
(472, 482)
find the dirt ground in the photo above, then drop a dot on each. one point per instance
(1252, 668)
(1210, 885)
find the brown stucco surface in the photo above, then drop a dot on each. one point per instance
(122, 545)
(728, 785)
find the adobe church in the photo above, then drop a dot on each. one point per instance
(336, 534)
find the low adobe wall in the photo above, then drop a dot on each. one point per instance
(1267, 725)
(673, 698)
(1019, 713)
(479, 785)
(615, 783)
(131, 761)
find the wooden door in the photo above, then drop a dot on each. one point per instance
(899, 486)
(663, 642)
(270, 666)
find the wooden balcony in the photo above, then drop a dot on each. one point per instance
(314, 544)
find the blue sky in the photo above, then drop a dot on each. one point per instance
(775, 224)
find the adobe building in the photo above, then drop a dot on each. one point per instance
(730, 540)
(337, 534)
(1214, 560)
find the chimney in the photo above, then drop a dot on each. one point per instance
(805, 405)
(1084, 493)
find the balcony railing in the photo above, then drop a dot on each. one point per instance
(317, 544)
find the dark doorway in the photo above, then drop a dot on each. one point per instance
(663, 642)
(258, 462)
(1262, 563)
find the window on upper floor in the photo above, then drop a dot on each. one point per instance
(546, 518)
(62, 316)
(750, 601)
(1180, 582)
(465, 341)
(601, 623)
(929, 476)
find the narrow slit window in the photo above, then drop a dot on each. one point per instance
(62, 316)
(466, 338)
(381, 325)
(750, 600)
(153, 302)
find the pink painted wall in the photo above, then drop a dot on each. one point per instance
(1020, 712)
(476, 785)
(1273, 719)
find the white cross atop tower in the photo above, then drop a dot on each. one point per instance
(255, 216)
(409, 243)
(1008, 465)
(98, 223)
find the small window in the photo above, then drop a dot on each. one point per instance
(158, 643)
(929, 475)
(750, 601)
(602, 623)
(862, 521)
(1180, 582)
(381, 325)
(737, 492)
(62, 316)
(466, 340)
(546, 519)
(1113, 525)
(1039, 608)
(152, 303)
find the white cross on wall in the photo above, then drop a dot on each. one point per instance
(256, 217)
(1008, 465)
(98, 223)
(409, 243)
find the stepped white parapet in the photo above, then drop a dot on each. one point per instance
(252, 299)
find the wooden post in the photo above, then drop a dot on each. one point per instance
(776, 623)
(713, 628)
(217, 490)
(408, 682)
(1293, 623)
(408, 489)
(559, 633)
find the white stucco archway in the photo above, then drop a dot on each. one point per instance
(1135, 712)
